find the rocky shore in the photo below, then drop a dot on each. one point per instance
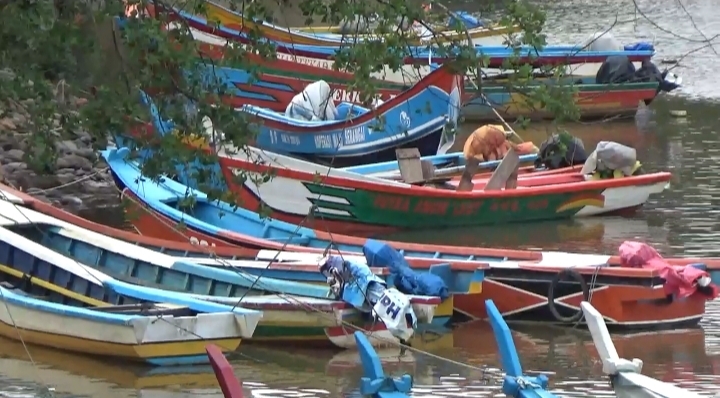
(80, 180)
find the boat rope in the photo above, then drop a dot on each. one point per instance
(49, 389)
(310, 213)
(300, 303)
(289, 299)
(593, 283)
(94, 277)
(79, 180)
(311, 308)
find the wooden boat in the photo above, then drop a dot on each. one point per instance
(464, 286)
(420, 57)
(416, 117)
(592, 100)
(385, 205)
(493, 35)
(632, 297)
(291, 314)
(625, 375)
(273, 78)
(347, 202)
(129, 333)
(46, 294)
(279, 80)
(471, 283)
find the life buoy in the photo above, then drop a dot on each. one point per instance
(573, 275)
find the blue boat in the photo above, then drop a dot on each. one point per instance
(214, 218)
(313, 127)
(47, 294)
(293, 311)
(423, 55)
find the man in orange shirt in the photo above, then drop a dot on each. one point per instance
(485, 144)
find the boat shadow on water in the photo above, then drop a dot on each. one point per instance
(592, 235)
(81, 375)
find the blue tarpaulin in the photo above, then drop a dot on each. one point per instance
(640, 46)
(405, 279)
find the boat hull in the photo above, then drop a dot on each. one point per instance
(286, 317)
(484, 36)
(277, 81)
(317, 322)
(633, 297)
(592, 101)
(628, 303)
(165, 346)
(147, 222)
(422, 56)
(364, 206)
(152, 224)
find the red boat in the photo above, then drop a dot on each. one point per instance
(629, 297)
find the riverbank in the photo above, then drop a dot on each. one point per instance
(78, 180)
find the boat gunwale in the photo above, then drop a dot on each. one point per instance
(526, 256)
(368, 183)
(164, 209)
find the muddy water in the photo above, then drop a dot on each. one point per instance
(681, 221)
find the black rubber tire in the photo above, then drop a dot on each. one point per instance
(573, 275)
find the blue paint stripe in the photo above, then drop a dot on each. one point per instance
(64, 310)
(435, 159)
(178, 361)
(422, 52)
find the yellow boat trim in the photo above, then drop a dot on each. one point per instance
(475, 288)
(232, 20)
(581, 203)
(128, 351)
(494, 30)
(53, 288)
(445, 308)
(77, 344)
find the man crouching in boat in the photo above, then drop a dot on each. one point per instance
(487, 143)
(356, 285)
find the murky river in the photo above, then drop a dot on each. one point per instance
(683, 221)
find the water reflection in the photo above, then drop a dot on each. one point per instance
(681, 221)
(566, 355)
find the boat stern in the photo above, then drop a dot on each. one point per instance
(170, 340)
(425, 307)
(247, 321)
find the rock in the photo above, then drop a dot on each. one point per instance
(78, 182)
(71, 200)
(65, 178)
(87, 153)
(7, 124)
(74, 162)
(14, 155)
(66, 147)
(13, 167)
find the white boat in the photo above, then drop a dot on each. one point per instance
(46, 295)
(291, 310)
(407, 74)
(625, 375)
